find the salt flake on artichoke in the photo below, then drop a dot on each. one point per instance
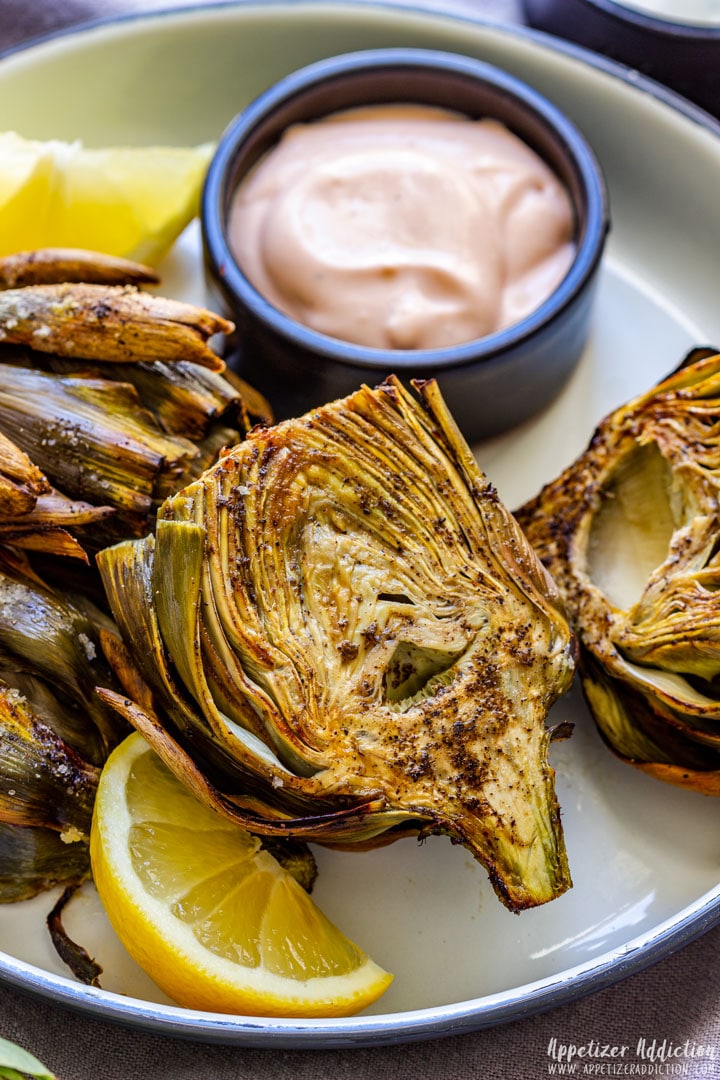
(348, 639)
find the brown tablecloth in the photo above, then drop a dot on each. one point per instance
(676, 1002)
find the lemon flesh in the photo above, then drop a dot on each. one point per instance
(214, 920)
(127, 201)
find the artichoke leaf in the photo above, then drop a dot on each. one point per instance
(54, 510)
(112, 323)
(53, 266)
(54, 731)
(127, 571)
(676, 627)
(621, 717)
(15, 499)
(616, 713)
(672, 690)
(83, 966)
(46, 527)
(704, 781)
(92, 437)
(35, 859)
(178, 563)
(334, 826)
(44, 782)
(21, 482)
(510, 545)
(353, 579)
(47, 540)
(230, 657)
(48, 635)
(66, 721)
(185, 398)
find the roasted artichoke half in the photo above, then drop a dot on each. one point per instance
(631, 534)
(348, 639)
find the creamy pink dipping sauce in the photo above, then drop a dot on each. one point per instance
(402, 227)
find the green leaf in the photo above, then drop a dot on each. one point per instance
(16, 1062)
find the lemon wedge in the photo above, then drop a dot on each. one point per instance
(213, 918)
(127, 201)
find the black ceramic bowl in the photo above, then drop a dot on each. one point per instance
(682, 54)
(491, 383)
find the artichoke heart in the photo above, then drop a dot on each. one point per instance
(631, 534)
(348, 639)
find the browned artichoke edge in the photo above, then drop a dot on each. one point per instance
(630, 532)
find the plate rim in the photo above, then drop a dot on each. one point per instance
(519, 1002)
(635, 79)
(415, 1025)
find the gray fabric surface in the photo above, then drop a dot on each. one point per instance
(676, 1000)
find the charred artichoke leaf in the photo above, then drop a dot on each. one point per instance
(54, 510)
(631, 727)
(49, 541)
(641, 730)
(48, 636)
(55, 732)
(110, 398)
(21, 482)
(124, 445)
(35, 859)
(66, 721)
(363, 630)
(47, 526)
(47, 791)
(52, 266)
(631, 534)
(78, 959)
(43, 781)
(112, 323)
(91, 437)
(187, 399)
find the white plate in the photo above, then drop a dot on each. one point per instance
(645, 857)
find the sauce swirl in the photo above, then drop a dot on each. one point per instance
(402, 227)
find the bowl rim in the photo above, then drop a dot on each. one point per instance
(639, 19)
(488, 349)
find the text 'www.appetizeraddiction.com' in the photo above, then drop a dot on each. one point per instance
(646, 1057)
